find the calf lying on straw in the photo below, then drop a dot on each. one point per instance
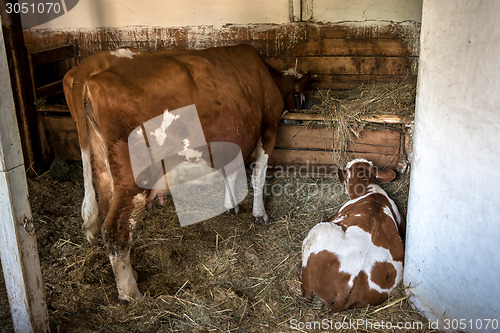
(356, 258)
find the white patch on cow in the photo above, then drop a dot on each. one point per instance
(357, 215)
(374, 188)
(90, 208)
(258, 181)
(292, 72)
(388, 212)
(123, 53)
(353, 201)
(124, 277)
(138, 203)
(358, 160)
(190, 154)
(339, 218)
(353, 248)
(160, 134)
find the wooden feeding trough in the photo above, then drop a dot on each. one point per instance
(309, 141)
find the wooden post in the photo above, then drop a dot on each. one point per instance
(19, 255)
(36, 148)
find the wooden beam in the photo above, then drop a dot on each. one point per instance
(52, 55)
(31, 126)
(353, 65)
(381, 141)
(18, 250)
(351, 47)
(50, 89)
(381, 119)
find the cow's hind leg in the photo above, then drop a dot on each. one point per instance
(264, 149)
(118, 228)
(259, 214)
(230, 202)
(91, 225)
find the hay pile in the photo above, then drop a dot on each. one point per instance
(347, 112)
(221, 275)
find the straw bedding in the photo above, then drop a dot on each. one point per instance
(225, 274)
(222, 275)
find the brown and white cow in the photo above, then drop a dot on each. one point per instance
(356, 258)
(238, 97)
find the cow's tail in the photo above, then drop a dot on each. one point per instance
(75, 90)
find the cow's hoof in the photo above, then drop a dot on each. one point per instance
(233, 211)
(261, 219)
(127, 298)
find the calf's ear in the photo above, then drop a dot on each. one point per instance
(304, 82)
(385, 175)
(342, 175)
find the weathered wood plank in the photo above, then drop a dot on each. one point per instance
(64, 138)
(315, 158)
(51, 55)
(49, 90)
(382, 119)
(353, 65)
(53, 108)
(18, 250)
(351, 47)
(370, 141)
(351, 81)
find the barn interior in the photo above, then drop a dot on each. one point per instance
(226, 273)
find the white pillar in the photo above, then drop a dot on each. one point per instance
(19, 255)
(453, 239)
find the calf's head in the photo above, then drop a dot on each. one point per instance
(359, 174)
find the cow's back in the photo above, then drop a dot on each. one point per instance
(231, 88)
(356, 259)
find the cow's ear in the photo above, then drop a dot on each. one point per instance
(385, 175)
(342, 175)
(304, 81)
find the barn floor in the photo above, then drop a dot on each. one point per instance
(222, 275)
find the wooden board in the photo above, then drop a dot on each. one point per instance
(359, 54)
(52, 55)
(382, 141)
(353, 65)
(63, 137)
(350, 81)
(382, 119)
(351, 47)
(299, 145)
(18, 248)
(311, 159)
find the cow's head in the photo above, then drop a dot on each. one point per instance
(292, 86)
(294, 90)
(361, 173)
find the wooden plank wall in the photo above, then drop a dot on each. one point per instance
(340, 56)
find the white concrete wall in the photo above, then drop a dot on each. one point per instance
(367, 10)
(453, 239)
(91, 14)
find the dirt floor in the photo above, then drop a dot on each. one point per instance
(222, 275)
